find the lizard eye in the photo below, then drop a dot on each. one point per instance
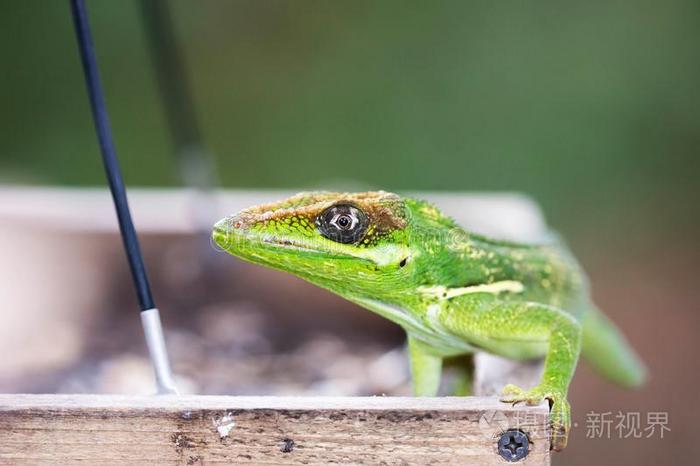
(342, 223)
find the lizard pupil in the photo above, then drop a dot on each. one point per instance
(342, 223)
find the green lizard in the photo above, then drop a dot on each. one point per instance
(452, 291)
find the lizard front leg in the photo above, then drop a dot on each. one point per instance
(426, 368)
(521, 331)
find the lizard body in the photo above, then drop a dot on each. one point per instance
(453, 292)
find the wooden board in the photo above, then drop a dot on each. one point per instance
(101, 429)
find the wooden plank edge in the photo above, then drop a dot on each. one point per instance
(117, 429)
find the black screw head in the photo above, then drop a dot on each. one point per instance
(513, 445)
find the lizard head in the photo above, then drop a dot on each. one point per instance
(335, 240)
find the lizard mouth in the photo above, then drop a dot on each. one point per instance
(288, 244)
(228, 232)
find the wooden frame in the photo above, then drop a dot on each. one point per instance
(103, 429)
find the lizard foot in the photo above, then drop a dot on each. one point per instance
(560, 411)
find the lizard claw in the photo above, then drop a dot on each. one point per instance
(514, 394)
(560, 411)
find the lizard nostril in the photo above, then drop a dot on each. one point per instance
(227, 224)
(233, 222)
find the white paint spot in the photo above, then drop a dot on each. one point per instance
(224, 425)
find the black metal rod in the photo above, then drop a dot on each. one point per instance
(109, 155)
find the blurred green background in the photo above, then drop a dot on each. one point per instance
(591, 107)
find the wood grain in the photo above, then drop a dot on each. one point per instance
(100, 429)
